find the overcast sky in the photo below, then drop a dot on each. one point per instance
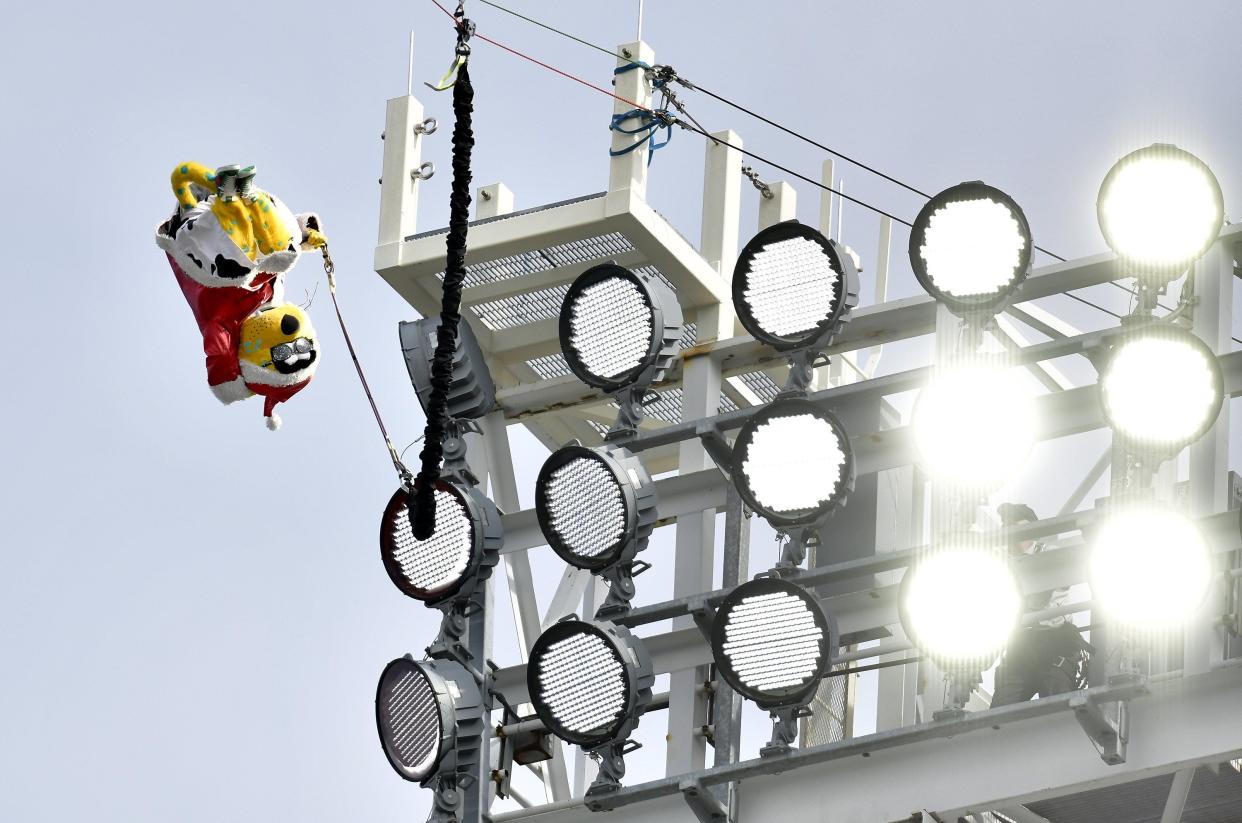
(193, 613)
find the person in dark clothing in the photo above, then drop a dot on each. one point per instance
(1043, 659)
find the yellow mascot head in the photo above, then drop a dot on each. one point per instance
(279, 353)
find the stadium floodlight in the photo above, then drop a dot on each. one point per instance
(1149, 568)
(596, 508)
(458, 556)
(1160, 208)
(1161, 389)
(589, 683)
(792, 463)
(970, 248)
(974, 424)
(619, 329)
(430, 716)
(773, 643)
(793, 288)
(471, 392)
(959, 604)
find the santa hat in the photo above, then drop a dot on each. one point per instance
(273, 395)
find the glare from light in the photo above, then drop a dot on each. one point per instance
(1160, 208)
(961, 604)
(412, 734)
(1150, 568)
(973, 247)
(1161, 391)
(794, 463)
(436, 563)
(974, 425)
(791, 287)
(585, 507)
(611, 327)
(581, 683)
(773, 642)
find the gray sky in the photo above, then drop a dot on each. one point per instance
(193, 613)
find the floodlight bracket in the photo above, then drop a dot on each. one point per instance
(450, 643)
(802, 364)
(611, 759)
(1107, 722)
(620, 579)
(630, 414)
(454, 446)
(962, 684)
(702, 802)
(793, 552)
(446, 803)
(784, 730)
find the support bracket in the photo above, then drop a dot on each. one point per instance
(702, 802)
(1107, 723)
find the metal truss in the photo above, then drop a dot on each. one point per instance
(982, 761)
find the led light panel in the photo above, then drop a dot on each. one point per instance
(960, 603)
(970, 247)
(792, 286)
(793, 462)
(772, 642)
(610, 327)
(1161, 389)
(1150, 568)
(589, 682)
(974, 426)
(436, 564)
(595, 506)
(1159, 209)
(410, 720)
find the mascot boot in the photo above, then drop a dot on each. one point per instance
(278, 355)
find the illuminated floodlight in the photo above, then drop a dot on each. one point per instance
(1160, 208)
(589, 682)
(430, 719)
(1161, 388)
(458, 555)
(471, 393)
(794, 288)
(970, 248)
(619, 328)
(959, 604)
(792, 463)
(772, 642)
(596, 506)
(1150, 567)
(974, 425)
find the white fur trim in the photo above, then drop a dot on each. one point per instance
(231, 391)
(278, 262)
(202, 243)
(266, 377)
(273, 422)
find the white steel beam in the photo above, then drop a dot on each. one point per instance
(1175, 803)
(1014, 755)
(402, 154)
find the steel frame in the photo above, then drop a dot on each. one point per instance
(948, 768)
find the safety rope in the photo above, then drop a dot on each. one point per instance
(423, 510)
(330, 270)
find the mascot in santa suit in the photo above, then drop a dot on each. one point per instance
(230, 244)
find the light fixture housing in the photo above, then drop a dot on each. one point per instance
(619, 328)
(430, 716)
(773, 643)
(793, 288)
(596, 506)
(959, 603)
(589, 682)
(471, 392)
(974, 424)
(1150, 568)
(1161, 388)
(792, 463)
(1159, 209)
(459, 555)
(970, 248)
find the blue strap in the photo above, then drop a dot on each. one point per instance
(649, 126)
